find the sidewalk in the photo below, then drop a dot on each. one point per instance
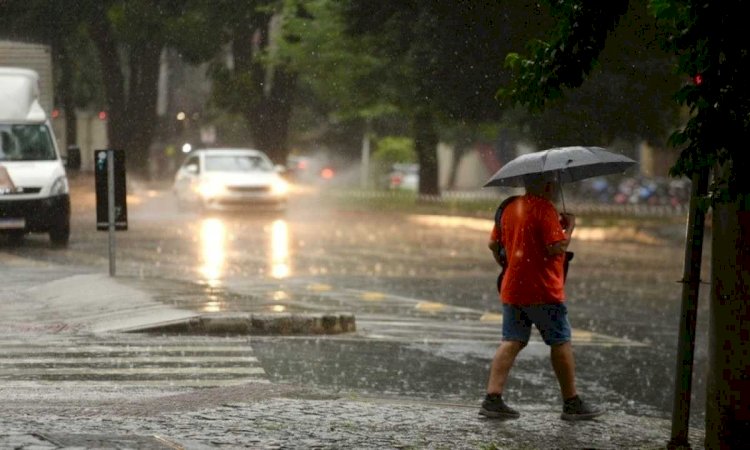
(255, 415)
(283, 422)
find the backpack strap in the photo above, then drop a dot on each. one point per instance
(499, 226)
(501, 208)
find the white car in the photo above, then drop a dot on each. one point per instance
(404, 177)
(230, 178)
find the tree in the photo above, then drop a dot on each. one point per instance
(128, 37)
(708, 40)
(255, 84)
(443, 62)
(58, 26)
(628, 95)
(338, 76)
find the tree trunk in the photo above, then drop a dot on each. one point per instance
(112, 75)
(141, 105)
(425, 143)
(728, 384)
(272, 116)
(269, 112)
(64, 89)
(132, 113)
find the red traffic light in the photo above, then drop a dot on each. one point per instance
(697, 79)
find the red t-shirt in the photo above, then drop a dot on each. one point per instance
(529, 225)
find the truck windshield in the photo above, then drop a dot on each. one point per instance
(25, 142)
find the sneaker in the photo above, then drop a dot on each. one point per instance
(576, 409)
(493, 406)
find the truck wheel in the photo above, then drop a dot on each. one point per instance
(59, 235)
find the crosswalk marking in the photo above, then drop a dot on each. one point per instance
(57, 384)
(185, 361)
(415, 318)
(27, 349)
(103, 371)
(416, 329)
(118, 361)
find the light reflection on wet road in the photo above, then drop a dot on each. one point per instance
(434, 274)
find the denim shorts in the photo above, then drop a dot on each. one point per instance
(550, 319)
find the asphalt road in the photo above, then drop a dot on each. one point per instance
(422, 288)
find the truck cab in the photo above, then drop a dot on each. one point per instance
(34, 193)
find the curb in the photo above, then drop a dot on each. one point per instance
(276, 324)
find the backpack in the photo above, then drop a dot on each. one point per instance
(501, 251)
(503, 257)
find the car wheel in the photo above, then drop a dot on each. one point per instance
(59, 235)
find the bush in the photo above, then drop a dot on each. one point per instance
(391, 150)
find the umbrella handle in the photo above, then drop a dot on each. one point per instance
(562, 194)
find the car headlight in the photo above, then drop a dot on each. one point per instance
(209, 189)
(59, 187)
(279, 187)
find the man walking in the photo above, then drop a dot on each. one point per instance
(535, 239)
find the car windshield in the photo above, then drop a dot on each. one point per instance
(236, 163)
(26, 143)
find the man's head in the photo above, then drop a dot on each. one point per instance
(542, 185)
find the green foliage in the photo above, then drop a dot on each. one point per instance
(437, 63)
(709, 40)
(340, 70)
(628, 94)
(394, 149)
(569, 55)
(706, 39)
(391, 150)
(444, 57)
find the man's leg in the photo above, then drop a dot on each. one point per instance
(564, 364)
(493, 405)
(555, 329)
(502, 362)
(516, 330)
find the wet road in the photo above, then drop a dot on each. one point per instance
(422, 288)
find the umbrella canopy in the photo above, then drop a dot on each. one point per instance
(566, 163)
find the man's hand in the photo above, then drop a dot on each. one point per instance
(568, 222)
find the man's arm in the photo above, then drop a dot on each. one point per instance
(569, 223)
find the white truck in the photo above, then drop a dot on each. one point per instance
(34, 193)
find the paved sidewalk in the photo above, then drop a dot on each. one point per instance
(254, 415)
(262, 416)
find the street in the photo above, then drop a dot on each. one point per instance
(421, 287)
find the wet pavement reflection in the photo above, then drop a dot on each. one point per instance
(213, 236)
(423, 290)
(280, 259)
